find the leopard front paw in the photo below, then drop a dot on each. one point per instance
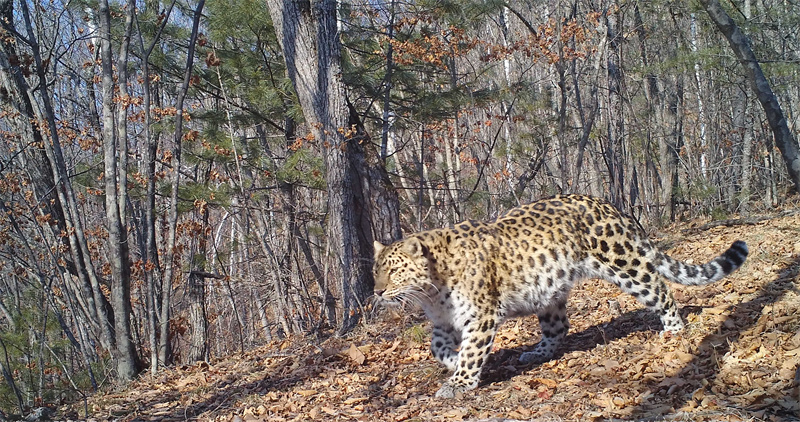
(451, 389)
(447, 391)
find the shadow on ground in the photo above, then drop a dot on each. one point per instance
(742, 317)
(504, 365)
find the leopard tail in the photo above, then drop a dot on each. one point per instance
(719, 267)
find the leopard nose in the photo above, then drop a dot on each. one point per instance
(379, 292)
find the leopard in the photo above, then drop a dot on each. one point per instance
(471, 277)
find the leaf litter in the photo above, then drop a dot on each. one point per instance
(738, 359)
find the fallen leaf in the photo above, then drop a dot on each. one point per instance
(354, 400)
(544, 381)
(306, 393)
(356, 355)
(456, 413)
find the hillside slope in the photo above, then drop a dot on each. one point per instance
(737, 359)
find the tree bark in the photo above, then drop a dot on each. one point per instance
(740, 45)
(172, 219)
(24, 100)
(114, 148)
(198, 321)
(615, 149)
(673, 145)
(379, 199)
(309, 36)
(153, 276)
(387, 96)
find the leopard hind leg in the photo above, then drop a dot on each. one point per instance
(555, 325)
(632, 275)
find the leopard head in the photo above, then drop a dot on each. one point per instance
(401, 272)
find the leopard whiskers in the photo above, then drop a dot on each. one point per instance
(435, 287)
(412, 297)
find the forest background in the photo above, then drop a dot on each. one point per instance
(181, 180)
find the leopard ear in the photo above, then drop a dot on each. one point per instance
(413, 247)
(378, 247)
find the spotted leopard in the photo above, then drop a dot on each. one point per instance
(470, 278)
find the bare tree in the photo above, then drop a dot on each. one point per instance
(149, 251)
(309, 36)
(115, 152)
(51, 178)
(740, 45)
(172, 218)
(614, 153)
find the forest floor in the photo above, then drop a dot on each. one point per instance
(738, 358)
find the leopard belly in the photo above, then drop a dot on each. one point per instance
(533, 295)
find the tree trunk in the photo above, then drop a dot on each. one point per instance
(279, 278)
(387, 96)
(587, 122)
(614, 151)
(258, 301)
(377, 194)
(114, 148)
(451, 159)
(309, 37)
(153, 276)
(784, 139)
(198, 322)
(741, 126)
(22, 98)
(701, 107)
(172, 219)
(673, 145)
(10, 379)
